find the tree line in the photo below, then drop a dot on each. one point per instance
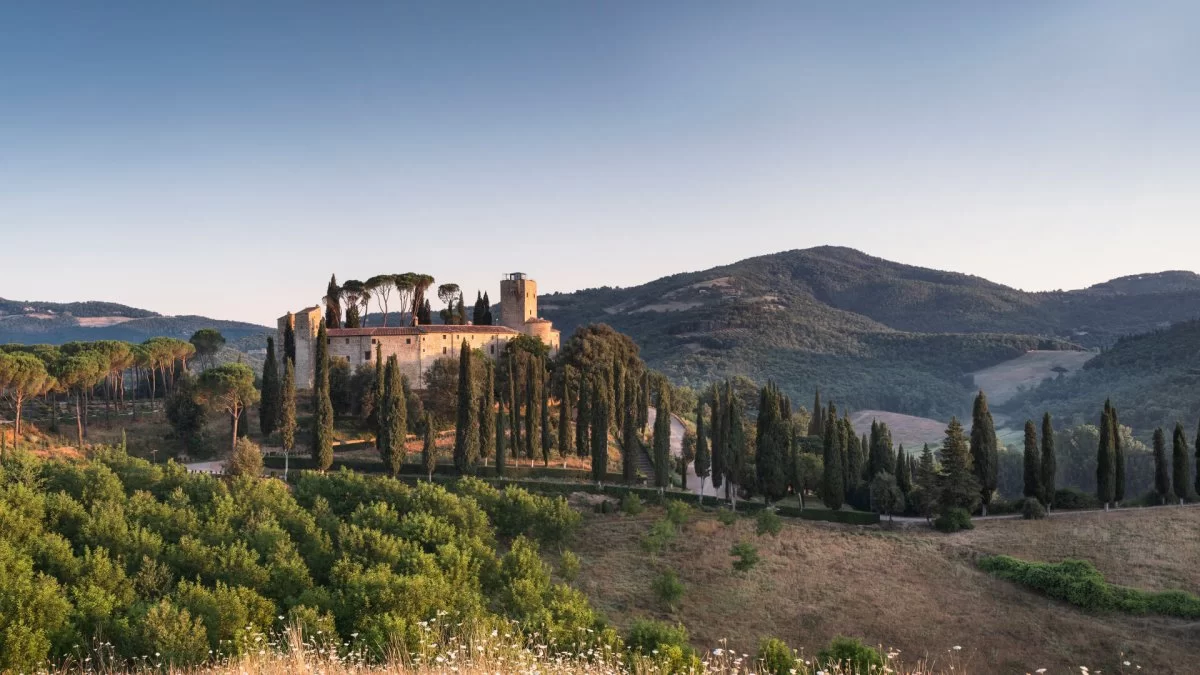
(348, 304)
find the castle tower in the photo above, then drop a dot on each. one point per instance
(518, 300)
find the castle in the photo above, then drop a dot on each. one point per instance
(416, 347)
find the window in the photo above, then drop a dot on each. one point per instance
(443, 350)
(347, 340)
(367, 355)
(408, 341)
(492, 349)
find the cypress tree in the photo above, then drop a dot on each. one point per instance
(662, 438)
(854, 457)
(629, 442)
(564, 417)
(380, 381)
(466, 431)
(644, 401)
(816, 422)
(985, 457)
(1049, 462)
(1197, 476)
(289, 340)
(771, 445)
(322, 430)
(925, 483)
(501, 445)
(1033, 463)
(428, 448)
(1105, 478)
(619, 404)
(583, 419)
(1181, 473)
(1162, 473)
(735, 440)
(333, 303)
(833, 485)
(599, 433)
(268, 405)
(531, 411)
(903, 471)
(478, 316)
(718, 439)
(287, 413)
(703, 461)
(487, 411)
(544, 406)
(1118, 459)
(394, 418)
(514, 408)
(487, 314)
(958, 487)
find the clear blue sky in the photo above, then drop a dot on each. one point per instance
(223, 158)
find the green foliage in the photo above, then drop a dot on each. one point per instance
(184, 412)
(631, 504)
(777, 658)
(646, 637)
(886, 494)
(678, 512)
(661, 533)
(1079, 583)
(958, 487)
(850, 654)
(1075, 499)
(746, 556)
(984, 450)
(568, 566)
(954, 519)
(833, 484)
(1181, 468)
(727, 517)
(1032, 509)
(772, 438)
(322, 419)
(668, 589)
(466, 423)
(247, 459)
(768, 522)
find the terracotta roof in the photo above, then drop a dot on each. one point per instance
(537, 320)
(419, 330)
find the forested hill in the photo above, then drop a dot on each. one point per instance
(1152, 378)
(871, 332)
(55, 323)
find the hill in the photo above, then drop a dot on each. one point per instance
(1152, 378)
(32, 322)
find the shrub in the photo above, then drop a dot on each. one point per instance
(1074, 498)
(569, 566)
(726, 517)
(776, 657)
(631, 504)
(953, 520)
(661, 533)
(1032, 509)
(246, 460)
(674, 653)
(746, 554)
(678, 512)
(668, 588)
(850, 654)
(768, 522)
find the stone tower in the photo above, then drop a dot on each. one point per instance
(518, 300)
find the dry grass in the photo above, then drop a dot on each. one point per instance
(916, 591)
(908, 430)
(1002, 381)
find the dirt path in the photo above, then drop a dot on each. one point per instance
(677, 431)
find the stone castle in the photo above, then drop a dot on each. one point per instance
(416, 347)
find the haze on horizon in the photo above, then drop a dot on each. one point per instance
(217, 159)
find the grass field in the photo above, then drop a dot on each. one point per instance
(913, 590)
(911, 431)
(1004, 380)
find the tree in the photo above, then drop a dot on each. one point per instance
(22, 376)
(630, 445)
(1162, 473)
(1049, 462)
(380, 383)
(447, 293)
(544, 422)
(703, 461)
(501, 448)
(852, 459)
(958, 486)
(735, 439)
(287, 413)
(289, 339)
(208, 342)
(1118, 459)
(352, 292)
(564, 418)
(466, 427)
(333, 303)
(488, 319)
(1197, 460)
(246, 460)
(78, 372)
(184, 412)
(687, 456)
(662, 438)
(1105, 459)
(816, 423)
(428, 447)
(807, 474)
(268, 407)
(380, 286)
(583, 418)
(394, 423)
(1181, 470)
(924, 497)
(532, 437)
(886, 495)
(599, 434)
(229, 389)
(985, 457)
(833, 486)
(771, 445)
(903, 471)
(717, 418)
(487, 414)
(322, 419)
(1033, 463)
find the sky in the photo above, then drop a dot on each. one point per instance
(223, 158)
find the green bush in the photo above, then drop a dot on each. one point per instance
(631, 504)
(675, 654)
(668, 588)
(1079, 583)
(569, 566)
(678, 512)
(746, 554)
(776, 657)
(727, 517)
(953, 520)
(1071, 498)
(768, 522)
(661, 533)
(1032, 509)
(850, 654)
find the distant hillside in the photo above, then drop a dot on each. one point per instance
(55, 323)
(872, 333)
(1153, 379)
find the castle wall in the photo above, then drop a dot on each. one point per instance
(518, 302)
(305, 324)
(417, 350)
